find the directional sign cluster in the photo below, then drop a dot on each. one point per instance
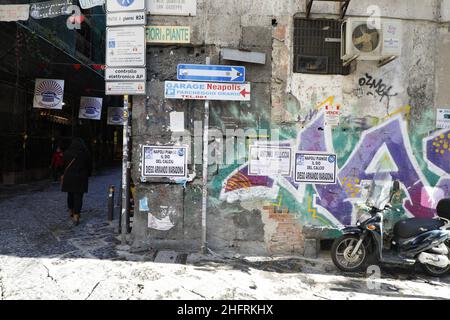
(209, 82)
(125, 47)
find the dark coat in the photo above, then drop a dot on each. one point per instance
(77, 174)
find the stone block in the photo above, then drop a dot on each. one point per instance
(311, 248)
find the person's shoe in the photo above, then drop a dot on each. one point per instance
(76, 219)
(71, 213)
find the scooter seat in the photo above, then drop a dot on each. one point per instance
(411, 227)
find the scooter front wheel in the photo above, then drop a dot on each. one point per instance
(343, 257)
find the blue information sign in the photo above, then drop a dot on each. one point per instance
(210, 73)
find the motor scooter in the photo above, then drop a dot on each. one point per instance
(424, 241)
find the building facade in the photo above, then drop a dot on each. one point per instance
(387, 120)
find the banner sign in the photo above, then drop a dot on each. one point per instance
(50, 9)
(172, 7)
(115, 116)
(126, 18)
(14, 12)
(125, 5)
(122, 88)
(210, 73)
(168, 34)
(87, 4)
(48, 94)
(207, 91)
(125, 74)
(160, 161)
(125, 47)
(443, 118)
(315, 168)
(269, 160)
(90, 108)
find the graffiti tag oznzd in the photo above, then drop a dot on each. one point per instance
(379, 87)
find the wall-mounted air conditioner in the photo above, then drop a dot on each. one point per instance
(363, 41)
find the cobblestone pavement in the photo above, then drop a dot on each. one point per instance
(36, 223)
(44, 256)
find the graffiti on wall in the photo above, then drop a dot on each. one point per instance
(385, 146)
(375, 87)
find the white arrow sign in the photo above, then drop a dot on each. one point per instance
(234, 74)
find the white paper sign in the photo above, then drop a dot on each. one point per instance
(125, 74)
(316, 168)
(128, 87)
(48, 94)
(176, 121)
(86, 4)
(13, 12)
(269, 160)
(125, 46)
(115, 116)
(126, 18)
(90, 108)
(124, 5)
(443, 118)
(332, 114)
(172, 7)
(160, 161)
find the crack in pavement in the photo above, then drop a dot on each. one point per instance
(92, 291)
(48, 273)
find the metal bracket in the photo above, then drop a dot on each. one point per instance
(343, 9)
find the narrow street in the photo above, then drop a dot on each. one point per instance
(43, 256)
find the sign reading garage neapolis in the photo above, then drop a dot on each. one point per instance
(318, 168)
(168, 34)
(160, 161)
(207, 91)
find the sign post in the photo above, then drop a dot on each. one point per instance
(126, 53)
(126, 165)
(204, 248)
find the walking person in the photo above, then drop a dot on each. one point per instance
(57, 164)
(78, 167)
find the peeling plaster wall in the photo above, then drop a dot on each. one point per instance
(388, 117)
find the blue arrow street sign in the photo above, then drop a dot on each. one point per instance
(210, 73)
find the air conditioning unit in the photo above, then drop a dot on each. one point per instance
(362, 41)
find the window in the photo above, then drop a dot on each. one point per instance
(317, 47)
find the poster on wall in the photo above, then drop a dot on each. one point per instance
(87, 4)
(269, 160)
(90, 108)
(14, 12)
(163, 161)
(332, 114)
(115, 116)
(48, 94)
(172, 8)
(317, 168)
(443, 118)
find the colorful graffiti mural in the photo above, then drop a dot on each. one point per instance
(386, 146)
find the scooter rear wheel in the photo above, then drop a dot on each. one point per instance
(341, 254)
(436, 271)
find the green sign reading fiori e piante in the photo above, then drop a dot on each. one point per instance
(168, 34)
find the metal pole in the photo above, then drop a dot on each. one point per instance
(204, 248)
(111, 203)
(125, 166)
